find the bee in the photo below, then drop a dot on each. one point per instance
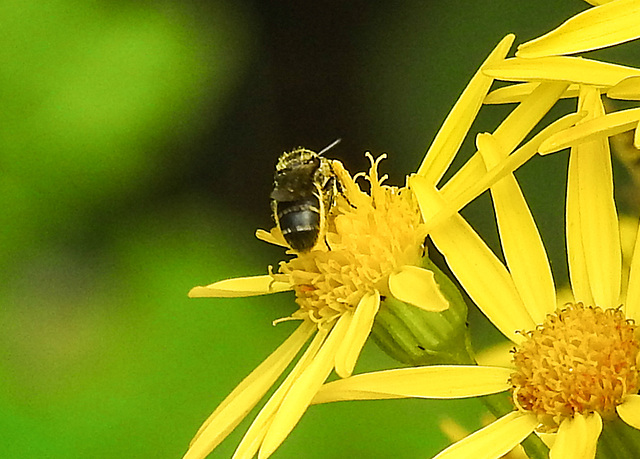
(304, 188)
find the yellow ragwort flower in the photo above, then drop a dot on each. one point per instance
(574, 365)
(373, 249)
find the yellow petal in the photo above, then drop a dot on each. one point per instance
(513, 162)
(417, 286)
(357, 334)
(245, 396)
(577, 438)
(632, 303)
(561, 68)
(455, 128)
(252, 440)
(495, 440)
(436, 381)
(575, 252)
(547, 438)
(606, 25)
(479, 271)
(627, 89)
(593, 128)
(509, 134)
(240, 287)
(629, 411)
(274, 237)
(304, 389)
(598, 235)
(519, 91)
(521, 242)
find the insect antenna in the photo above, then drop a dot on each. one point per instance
(329, 147)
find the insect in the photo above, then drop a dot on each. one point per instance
(304, 187)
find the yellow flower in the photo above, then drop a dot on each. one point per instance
(373, 249)
(574, 366)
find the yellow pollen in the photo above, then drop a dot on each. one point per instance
(367, 237)
(580, 360)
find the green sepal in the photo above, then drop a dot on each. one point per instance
(417, 337)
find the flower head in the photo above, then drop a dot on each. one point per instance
(371, 238)
(581, 359)
(372, 248)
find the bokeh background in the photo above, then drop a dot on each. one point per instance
(137, 145)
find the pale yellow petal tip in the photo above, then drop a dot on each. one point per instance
(627, 89)
(200, 292)
(274, 237)
(629, 411)
(418, 287)
(240, 287)
(505, 44)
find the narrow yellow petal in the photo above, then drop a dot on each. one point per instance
(495, 440)
(632, 303)
(636, 137)
(629, 411)
(578, 273)
(253, 438)
(417, 286)
(593, 128)
(599, 234)
(561, 68)
(357, 334)
(519, 91)
(483, 276)
(521, 242)
(577, 438)
(455, 127)
(627, 89)
(304, 389)
(606, 25)
(436, 381)
(513, 162)
(509, 134)
(274, 237)
(240, 287)
(245, 396)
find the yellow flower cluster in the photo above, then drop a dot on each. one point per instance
(574, 364)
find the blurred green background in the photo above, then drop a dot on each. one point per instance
(137, 143)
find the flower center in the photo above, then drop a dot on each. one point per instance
(368, 236)
(580, 360)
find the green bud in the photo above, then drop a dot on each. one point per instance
(417, 337)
